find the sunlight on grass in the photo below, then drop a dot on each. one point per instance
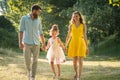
(13, 68)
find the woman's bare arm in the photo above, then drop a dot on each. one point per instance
(68, 35)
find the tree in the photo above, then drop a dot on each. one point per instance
(50, 13)
(8, 35)
(3, 6)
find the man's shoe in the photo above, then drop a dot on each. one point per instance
(32, 78)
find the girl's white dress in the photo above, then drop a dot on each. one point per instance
(55, 52)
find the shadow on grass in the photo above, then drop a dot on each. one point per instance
(102, 58)
(15, 64)
(90, 57)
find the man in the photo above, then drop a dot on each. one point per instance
(30, 33)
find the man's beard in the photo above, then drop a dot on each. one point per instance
(35, 16)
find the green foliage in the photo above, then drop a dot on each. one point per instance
(102, 20)
(62, 4)
(8, 35)
(6, 24)
(114, 2)
(108, 47)
(3, 6)
(50, 14)
(8, 39)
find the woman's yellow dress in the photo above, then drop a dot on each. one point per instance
(77, 46)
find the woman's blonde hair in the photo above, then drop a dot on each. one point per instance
(81, 17)
(54, 28)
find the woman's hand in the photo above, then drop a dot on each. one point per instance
(65, 49)
(87, 51)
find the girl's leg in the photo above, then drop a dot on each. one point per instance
(80, 66)
(59, 71)
(53, 68)
(75, 66)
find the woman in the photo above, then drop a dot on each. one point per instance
(78, 47)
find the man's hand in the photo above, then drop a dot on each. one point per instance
(21, 46)
(43, 42)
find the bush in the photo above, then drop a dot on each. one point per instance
(8, 35)
(6, 24)
(8, 39)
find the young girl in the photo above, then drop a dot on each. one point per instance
(55, 54)
(78, 47)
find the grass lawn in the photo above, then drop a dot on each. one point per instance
(95, 68)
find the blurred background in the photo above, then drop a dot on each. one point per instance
(102, 18)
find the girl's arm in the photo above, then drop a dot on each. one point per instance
(48, 44)
(85, 36)
(61, 43)
(68, 35)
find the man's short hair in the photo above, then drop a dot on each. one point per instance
(35, 7)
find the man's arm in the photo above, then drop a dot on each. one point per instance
(20, 40)
(42, 39)
(21, 30)
(42, 36)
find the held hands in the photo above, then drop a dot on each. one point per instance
(65, 49)
(46, 48)
(43, 47)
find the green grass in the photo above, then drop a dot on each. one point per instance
(12, 68)
(109, 47)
